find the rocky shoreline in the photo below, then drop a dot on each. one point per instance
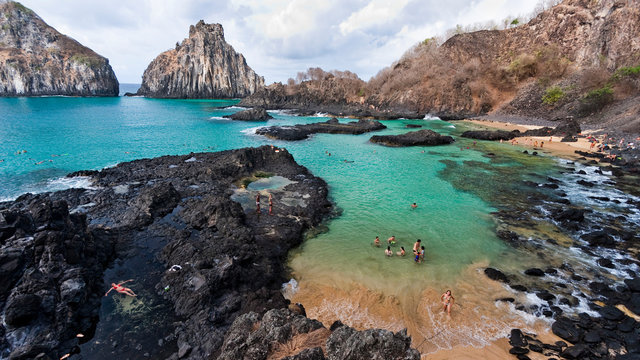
(413, 138)
(220, 257)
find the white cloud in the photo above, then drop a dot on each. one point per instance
(375, 13)
(277, 37)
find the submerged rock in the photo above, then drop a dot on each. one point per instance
(202, 66)
(414, 138)
(36, 60)
(332, 126)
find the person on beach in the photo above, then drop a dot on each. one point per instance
(421, 254)
(376, 242)
(447, 300)
(535, 144)
(401, 252)
(121, 289)
(270, 204)
(541, 144)
(388, 252)
(258, 203)
(416, 247)
(414, 205)
(391, 240)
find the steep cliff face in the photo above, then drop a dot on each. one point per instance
(35, 59)
(202, 66)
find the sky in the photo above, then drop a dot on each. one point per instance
(278, 38)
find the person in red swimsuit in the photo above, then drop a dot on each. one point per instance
(121, 289)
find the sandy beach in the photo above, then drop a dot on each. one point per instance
(552, 144)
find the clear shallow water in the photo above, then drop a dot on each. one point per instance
(340, 273)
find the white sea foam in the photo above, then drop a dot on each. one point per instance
(431, 117)
(234, 108)
(191, 159)
(251, 131)
(290, 288)
(219, 118)
(63, 183)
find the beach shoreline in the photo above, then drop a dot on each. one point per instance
(552, 144)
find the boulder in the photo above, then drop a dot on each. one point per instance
(495, 274)
(567, 330)
(332, 126)
(414, 138)
(255, 114)
(534, 272)
(490, 135)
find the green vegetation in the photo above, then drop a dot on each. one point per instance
(553, 95)
(515, 22)
(89, 61)
(623, 72)
(596, 99)
(22, 8)
(361, 92)
(244, 182)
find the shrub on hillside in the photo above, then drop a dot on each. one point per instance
(552, 95)
(596, 99)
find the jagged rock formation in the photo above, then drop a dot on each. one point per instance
(413, 138)
(35, 59)
(281, 334)
(202, 66)
(331, 126)
(255, 114)
(229, 259)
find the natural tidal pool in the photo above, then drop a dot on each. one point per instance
(464, 196)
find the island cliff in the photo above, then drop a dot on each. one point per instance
(35, 59)
(202, 66)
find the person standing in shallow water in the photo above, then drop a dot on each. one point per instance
(447, 300)
(376, 242)
(258, 203)
(270, 204)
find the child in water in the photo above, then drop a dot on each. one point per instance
(388, 252)
(401, 252)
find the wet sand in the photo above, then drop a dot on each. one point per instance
(476, 329)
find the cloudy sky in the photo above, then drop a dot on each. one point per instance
(277, 37)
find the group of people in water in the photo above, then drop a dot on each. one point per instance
(418, 248)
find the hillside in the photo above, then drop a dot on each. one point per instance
(578, 59)
(35, 59)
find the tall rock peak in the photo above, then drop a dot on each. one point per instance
(35, 59)
(202, 66)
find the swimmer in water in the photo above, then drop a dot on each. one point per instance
(414, 205)
(401, 252)
(388, 252)
(391, 240)
(376, 242)
(121, 289)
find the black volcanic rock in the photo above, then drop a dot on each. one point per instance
(255, 114)
(332, 126)
(491, 135)
(495, 274)
(252, 336)
(229, 260)
(36, 60)
(414, 138)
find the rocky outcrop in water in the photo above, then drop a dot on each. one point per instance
(256, 114)
(280, 334)
(202, 66)
(413, 138)
(195, 243)
(36, 60)
(332, 126)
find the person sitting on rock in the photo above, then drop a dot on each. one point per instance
(121, 289)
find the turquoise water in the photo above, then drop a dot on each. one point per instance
(455, 186)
